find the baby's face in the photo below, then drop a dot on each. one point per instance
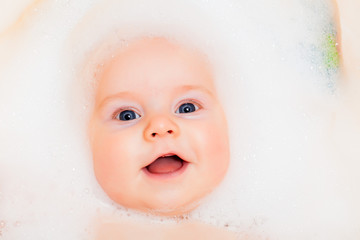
(158, 131)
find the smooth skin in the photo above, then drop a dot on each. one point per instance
(150, 81)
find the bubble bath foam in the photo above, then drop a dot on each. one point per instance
(294, 141)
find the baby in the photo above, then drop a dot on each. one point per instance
(158, 132)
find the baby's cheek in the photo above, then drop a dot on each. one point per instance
(213, 140)
(107, 158)
(212, 153)
(218, 146)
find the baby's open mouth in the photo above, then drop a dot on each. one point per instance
(165, 164)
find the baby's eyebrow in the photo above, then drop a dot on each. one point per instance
(185, 88)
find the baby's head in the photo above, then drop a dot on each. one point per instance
(158, 132)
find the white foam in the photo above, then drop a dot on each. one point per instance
(294, 138)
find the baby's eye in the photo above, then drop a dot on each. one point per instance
(187, 108)
(127, 115)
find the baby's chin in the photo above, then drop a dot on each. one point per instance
(163, 208)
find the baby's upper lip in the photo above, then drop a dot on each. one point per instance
(165, 154)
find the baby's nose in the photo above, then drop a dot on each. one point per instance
(160, 126)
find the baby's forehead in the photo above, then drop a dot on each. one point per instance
(142, 51)
(151, 45)
(156, 55)
(157, 64)
(150, 49)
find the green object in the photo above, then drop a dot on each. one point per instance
(331, 55)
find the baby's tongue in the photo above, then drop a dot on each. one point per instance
(165, 165)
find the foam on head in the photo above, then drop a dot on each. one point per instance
(294, 142)
(128, 21)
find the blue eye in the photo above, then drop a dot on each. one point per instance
(187, 108)
(127, 115)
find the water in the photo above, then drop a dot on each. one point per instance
(294, 139)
